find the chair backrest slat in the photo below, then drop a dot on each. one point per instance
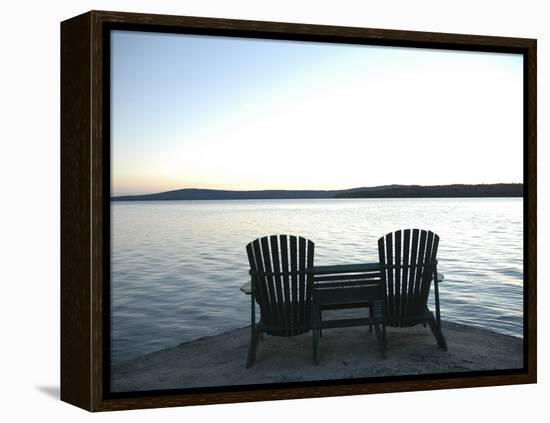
(282, 278)
(397, 275)
(425, 285)
(269, 279)
(294, 279)
(256, 264)
(413, 261)
(281, 312)
(410, 266)
(286, 280)
(389, 261)
(302, 281)
(406, 271)
(310, 276)
(419, 266)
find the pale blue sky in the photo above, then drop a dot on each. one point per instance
(233, 113)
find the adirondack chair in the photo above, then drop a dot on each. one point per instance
(281, 271)
(410, 266)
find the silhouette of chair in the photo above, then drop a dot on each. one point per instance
(409, 265)
(281, 271)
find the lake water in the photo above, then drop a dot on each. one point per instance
(177, 265)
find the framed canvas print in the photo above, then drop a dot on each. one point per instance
(259, 210)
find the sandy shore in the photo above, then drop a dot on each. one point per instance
(344, 353)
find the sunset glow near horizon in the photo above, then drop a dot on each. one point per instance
(191, 111)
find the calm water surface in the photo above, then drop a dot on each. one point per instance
(177, 265)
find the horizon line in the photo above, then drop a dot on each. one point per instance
(312, 190)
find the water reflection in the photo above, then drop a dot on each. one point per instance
(177, 266)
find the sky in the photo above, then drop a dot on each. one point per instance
(194, 111)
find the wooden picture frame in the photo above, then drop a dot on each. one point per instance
(84, 206)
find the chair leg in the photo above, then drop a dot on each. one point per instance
(316, 320)
(380, 336)
(316, 346)
(371, 315)
(436, 330)
(253, 347)
(320, 318)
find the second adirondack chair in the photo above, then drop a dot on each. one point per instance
(409, 260)
(281, 271)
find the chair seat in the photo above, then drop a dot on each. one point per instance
(413, 320)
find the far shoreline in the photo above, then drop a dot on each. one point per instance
(291, 199)
(501, 190)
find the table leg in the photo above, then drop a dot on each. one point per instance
(380, 339)
(316, 323)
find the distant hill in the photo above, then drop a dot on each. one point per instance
(214, 194)
(432, 191)
(385, 191)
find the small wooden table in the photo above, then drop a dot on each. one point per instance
(344, 287)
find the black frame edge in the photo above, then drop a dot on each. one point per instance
(76, 325)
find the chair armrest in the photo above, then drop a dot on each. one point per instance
(440, 277)
(247, 288)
